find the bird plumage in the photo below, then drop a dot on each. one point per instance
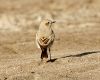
(45, 37)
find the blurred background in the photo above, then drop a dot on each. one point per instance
(27, 13)
(77, 30)
(76, 21)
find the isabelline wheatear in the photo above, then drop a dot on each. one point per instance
(45, 37)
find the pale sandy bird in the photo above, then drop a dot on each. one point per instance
(45, 37)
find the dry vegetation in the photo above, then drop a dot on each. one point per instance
(75, 53)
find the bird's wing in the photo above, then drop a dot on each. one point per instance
(42, 41)
(45, 41)
(37, 42)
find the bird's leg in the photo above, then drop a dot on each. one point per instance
(41, 55)
(44, 55)
(41, 58)
(50, 53)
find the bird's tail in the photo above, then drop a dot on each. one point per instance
(44, 53)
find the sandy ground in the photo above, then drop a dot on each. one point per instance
(76, 50)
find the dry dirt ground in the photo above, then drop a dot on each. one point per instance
(76, 50)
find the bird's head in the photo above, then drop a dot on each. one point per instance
(47, 22)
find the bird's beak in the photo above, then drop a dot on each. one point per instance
(53, 21)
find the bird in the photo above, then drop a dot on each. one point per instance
(45, 38)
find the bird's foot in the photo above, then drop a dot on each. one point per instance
(43, 61)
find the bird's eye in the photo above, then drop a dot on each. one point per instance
(47, 23)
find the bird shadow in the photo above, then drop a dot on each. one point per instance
(76, 55)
